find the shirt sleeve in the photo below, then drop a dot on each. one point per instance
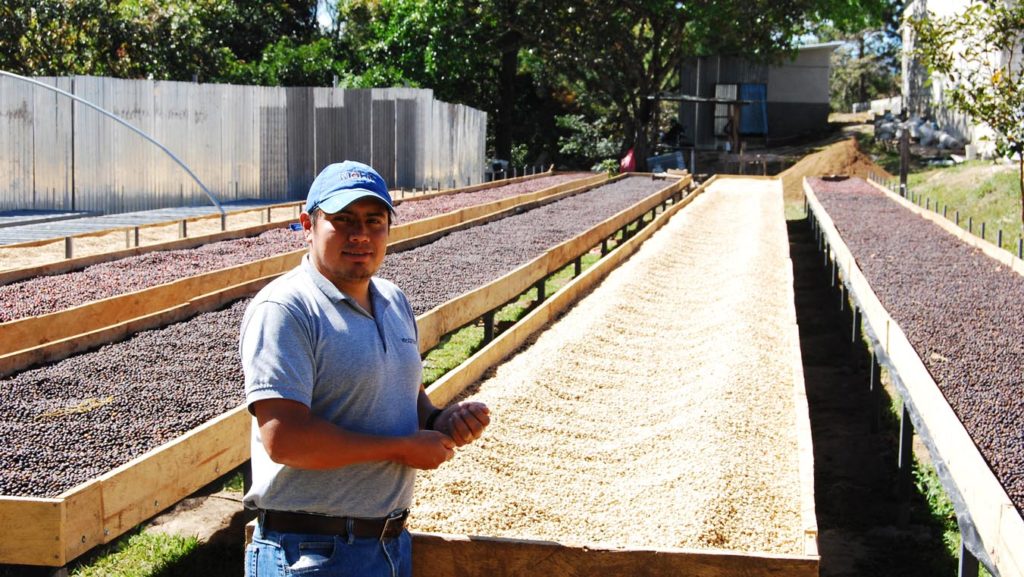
(277, 355)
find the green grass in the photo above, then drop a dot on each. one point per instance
(138, 555)
(929, 504)
(462, 344)
(981, 191)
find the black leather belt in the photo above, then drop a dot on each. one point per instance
(288, 522)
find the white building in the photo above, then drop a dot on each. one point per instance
(926, 98)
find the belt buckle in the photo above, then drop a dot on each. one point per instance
(395, 517)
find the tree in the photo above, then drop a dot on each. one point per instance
(976, 52)
(867, 65)
(467, 51)
(159, 39)
(620, 53)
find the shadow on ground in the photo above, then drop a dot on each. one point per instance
(864, 528)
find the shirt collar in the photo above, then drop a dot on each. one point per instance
(380, 302)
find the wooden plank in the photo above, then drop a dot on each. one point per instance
(446, 223)
(157, 480)
(38, 539)
(478, 187)
(438, 555)
(53, 351)
(996, 520)
(805, 447)
(56, 350)
(77, 263)
(39, 330)
(83, 518)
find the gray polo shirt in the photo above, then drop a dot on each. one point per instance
(302, 339)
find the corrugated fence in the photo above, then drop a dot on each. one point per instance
(243, 142)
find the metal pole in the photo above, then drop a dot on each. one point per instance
(488, 327)
(124, 123)
(904, 153)
(875, 388)
(968, 566)
(906, 455)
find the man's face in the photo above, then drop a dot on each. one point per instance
(348, 246)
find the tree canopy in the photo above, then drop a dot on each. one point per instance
(159, 39)
(528, 63)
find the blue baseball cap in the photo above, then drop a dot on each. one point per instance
(342, 183)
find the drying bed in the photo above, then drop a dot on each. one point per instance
(962, 311)
(48, 294)
(663, 411)
(69, 421)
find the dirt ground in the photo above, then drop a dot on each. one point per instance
(841, 157)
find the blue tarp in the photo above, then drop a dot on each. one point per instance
(663, 162)
(754, 116)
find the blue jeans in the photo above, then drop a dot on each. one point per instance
(276, 554)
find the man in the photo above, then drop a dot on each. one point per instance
(333, 380)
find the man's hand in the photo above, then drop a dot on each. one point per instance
(464, 422)
(427, 450)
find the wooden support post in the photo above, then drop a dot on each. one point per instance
(982, 231)
(1020, 248)
(270, 218)
(578, 266)
(968, 566)
(540, 290)
(905, 465)
(488, 327)
(127, 238)
(136, 236)
(999, 238)
(183, 228)
(224, 221)
(69, 247)
(604, 247)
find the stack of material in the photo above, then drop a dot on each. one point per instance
(660, 411)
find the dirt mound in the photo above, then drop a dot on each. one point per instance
(839, 158)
